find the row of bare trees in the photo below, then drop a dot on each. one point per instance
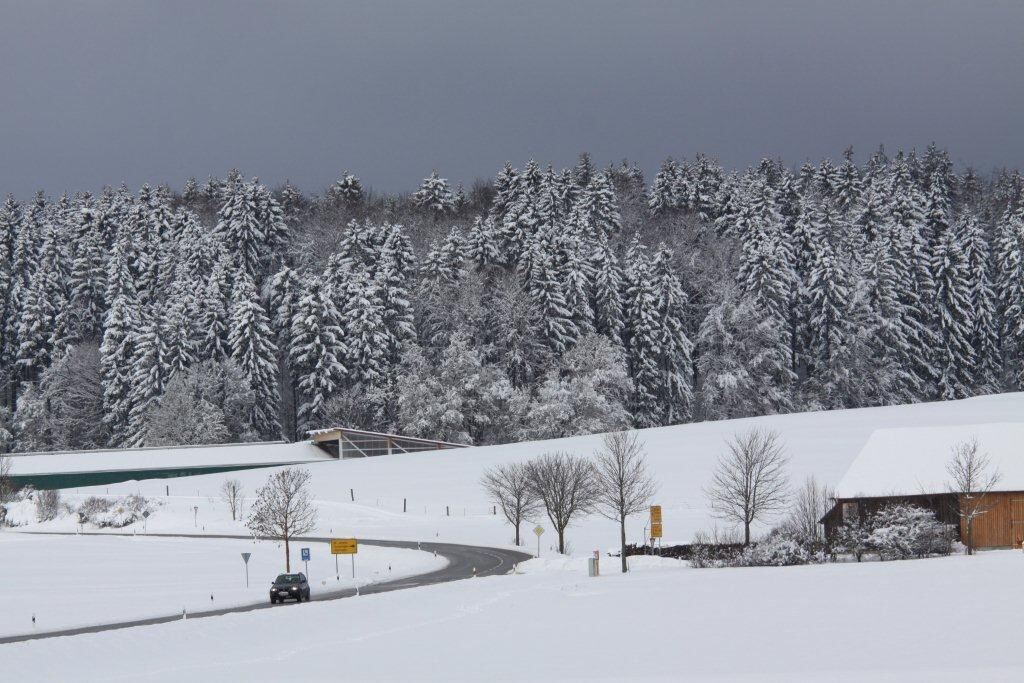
(615, 484)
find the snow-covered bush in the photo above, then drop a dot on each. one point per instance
(779, 549)
(106, 513)
(852, 538)
(47, 505)
(904, 531)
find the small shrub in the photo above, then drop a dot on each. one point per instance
(93, 506)
(779, 549)
(47, 505)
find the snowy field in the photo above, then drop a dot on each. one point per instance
(893, 621)
(69, 581)
(445, 502)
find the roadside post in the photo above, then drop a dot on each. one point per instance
(344, 546)
(195, 519)
(145, 521)
(305, 559)
(538, 530)
(655, 525)
(245, 559)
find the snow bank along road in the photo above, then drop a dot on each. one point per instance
(464, 561)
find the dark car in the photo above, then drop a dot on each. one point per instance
(289, 587)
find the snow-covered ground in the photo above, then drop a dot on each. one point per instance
(70, 581)
(937, 620)
(444, 500)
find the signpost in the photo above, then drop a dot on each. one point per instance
(344, 546)
(538, 530)
(145, 521)
(245, 558)
(305, 559)
(655, 525)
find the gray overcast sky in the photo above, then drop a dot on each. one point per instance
(99, 92)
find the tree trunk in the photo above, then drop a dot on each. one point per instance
(746, 534)
(517, 533)
(970, 536)
(287, 558)
(622, 539)
(561, 541)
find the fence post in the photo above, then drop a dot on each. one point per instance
(405, 505)
(352, 493)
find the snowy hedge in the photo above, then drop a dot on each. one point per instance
(113, 513)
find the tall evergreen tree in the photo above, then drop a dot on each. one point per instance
(317, 348)
(252, 348)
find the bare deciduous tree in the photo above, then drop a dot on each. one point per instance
(750, 481)
(509, 487)
(6, 487)
(566, 486)
(283, 509)
(972, 478)
(624, 485)
(810, 504)
(231, 492)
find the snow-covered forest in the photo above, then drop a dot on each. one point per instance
(543, 303)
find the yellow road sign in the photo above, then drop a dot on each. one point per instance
(538, 530)
(344, 546)
(655, 529)
(655, 514)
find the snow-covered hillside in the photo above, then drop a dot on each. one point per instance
(444, 500)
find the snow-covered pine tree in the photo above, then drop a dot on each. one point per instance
(149, 373)
(673, 346)
(985, 326)
(347, 190)
(954, 356)
(434, 195)
(546, 289)
(937, 211)
(607, 291)
(577, 277)
(253, 350)
(848, 184)
(213, 308)
(317, 347)
(285, 291)
(482, 246)
(1010, 290)
(250, 220)
(10, 224)
(506, 193)
(662, 196)
(180, 337)
(828, 298)
(366, 338)
(88, 277)
(392, 285)
(640, 336)
(600, 207)
(44, 318)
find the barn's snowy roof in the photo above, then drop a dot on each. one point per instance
(913, 461)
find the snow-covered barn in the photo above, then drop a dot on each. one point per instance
(911, 466)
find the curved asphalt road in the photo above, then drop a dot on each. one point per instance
(464, 562)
